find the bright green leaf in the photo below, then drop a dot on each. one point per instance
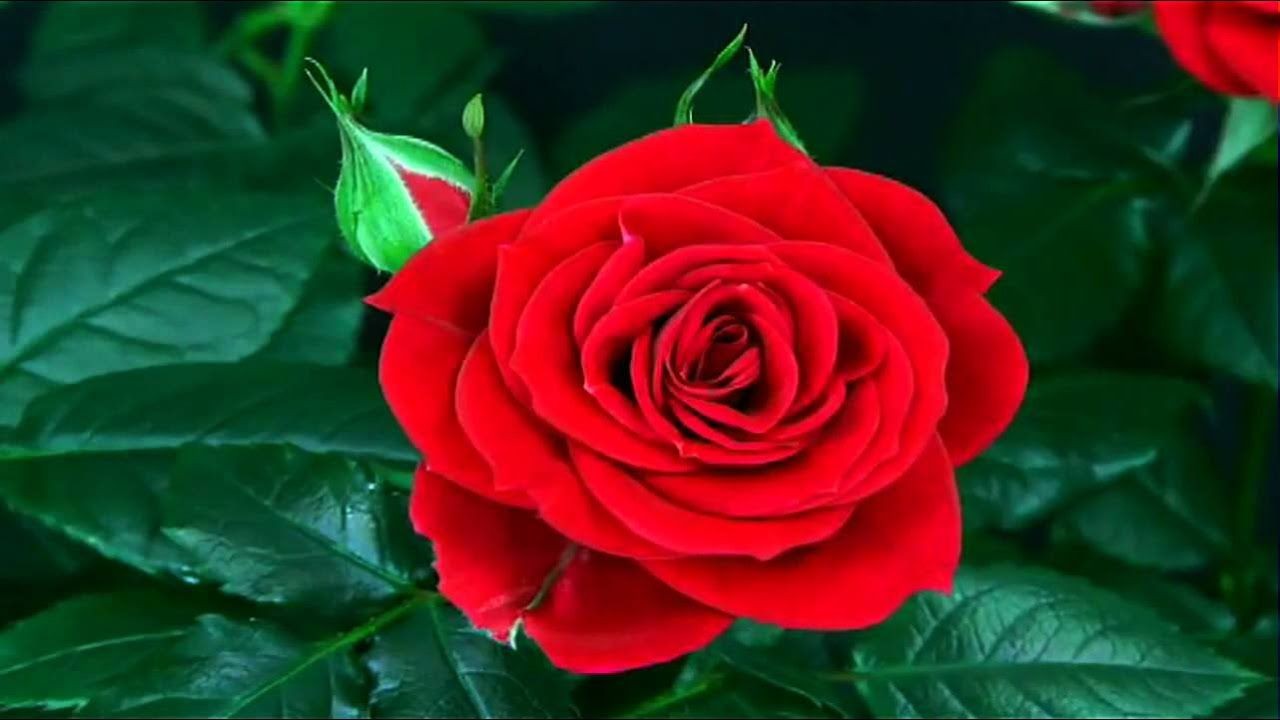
(1021, 643)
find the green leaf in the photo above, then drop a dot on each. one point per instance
(1249, 123)
(1256, 649)
(158, 116)
(433, 664)
(282, 527)
(726, 695)
(86, 27)
(1074, 432)
(794, 661)
(315, 533)
(324, 326)
(1056, 194)
(122, 281)
(767, 105)
(145, 655)
(315, 408)
(1021, 643)
(684, 106)
(1219, 306)
(1171, 515)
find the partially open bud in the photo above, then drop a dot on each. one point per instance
(395, 193)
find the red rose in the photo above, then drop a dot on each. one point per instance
(1232, 47)
(704, 379)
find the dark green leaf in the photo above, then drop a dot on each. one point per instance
(1220, 307)
(315, 408)
(1073, 433)
(1055, 193)
(142, 655)
(324, 326)
(123, 281)
(793, 661)
(1257, 649)
(158, 116)
(433, 664)
(1171, 515)
(1176, 602)
(67, 29)
(726, 695)
(1021, 643)
(443, 48)
(282, 527)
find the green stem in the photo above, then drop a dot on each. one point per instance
(480, 197)
(1257, 435)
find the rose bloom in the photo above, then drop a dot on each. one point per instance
(704, 379)
(1233, 46)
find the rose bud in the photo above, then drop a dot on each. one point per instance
(395, 193)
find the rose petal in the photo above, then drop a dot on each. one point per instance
(797, 202)
(903, 540)
(524, 265)
(1248, 43)
(451, 279)
(986, 375)
(596, 613)
(418, 370)
(492, 559)
(669, 160)
(810, 479)
(1182, 27)
(525, 455)
(668, 524)
(924, 248)
(547, 361)
(601, 294)
(606, 615)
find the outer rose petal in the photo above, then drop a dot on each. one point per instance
(986, 374)
(492, 559)
(606, 615)
(1182, 27)
(798, 202)
(1248, 43)
(668, 160)
(923, 246)
(600, 614)
(900, 541)
(451, 279)
(417, 370)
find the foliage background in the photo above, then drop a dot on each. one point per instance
(203, 497)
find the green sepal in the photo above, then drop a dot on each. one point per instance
(684, 107)
(765, 84)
